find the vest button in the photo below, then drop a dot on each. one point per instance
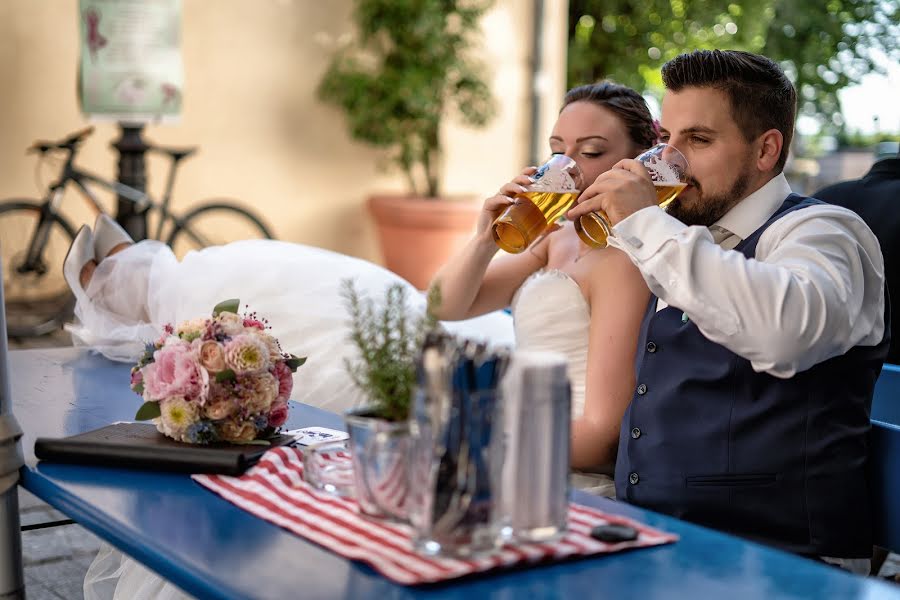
(633, 479)
(641, 389)
(635, 433)
(651, 347)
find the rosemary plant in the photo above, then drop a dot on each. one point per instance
(388, 336)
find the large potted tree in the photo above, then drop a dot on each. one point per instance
(410, 66)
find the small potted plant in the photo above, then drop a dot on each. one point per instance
(387, 338)
(411, 66)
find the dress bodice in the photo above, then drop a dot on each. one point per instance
(551, 314)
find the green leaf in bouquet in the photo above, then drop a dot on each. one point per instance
(138, 388)
(231, 305)
(190, 336)
(147, 411)
(226, 375)
(294, 362)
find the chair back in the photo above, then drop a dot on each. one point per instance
(884, 461)
(886, 400)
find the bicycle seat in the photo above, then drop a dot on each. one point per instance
(176, 153)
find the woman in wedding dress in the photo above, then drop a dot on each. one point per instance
(127, 292)
(565, 297)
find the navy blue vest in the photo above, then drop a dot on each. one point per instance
(779, 461)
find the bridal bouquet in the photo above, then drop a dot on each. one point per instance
(218, 379)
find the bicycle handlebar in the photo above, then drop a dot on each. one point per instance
(69, 142)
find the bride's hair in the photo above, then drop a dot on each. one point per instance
(622, 100)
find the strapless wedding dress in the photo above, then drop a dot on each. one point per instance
(551, 314)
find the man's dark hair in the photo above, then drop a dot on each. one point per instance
(626, 103)
(760, 94)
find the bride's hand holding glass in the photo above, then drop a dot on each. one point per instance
(495, 205)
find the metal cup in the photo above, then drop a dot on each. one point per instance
(537, 425)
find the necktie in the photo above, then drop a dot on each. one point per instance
(724, 238)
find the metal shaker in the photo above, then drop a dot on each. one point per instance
(537, 422)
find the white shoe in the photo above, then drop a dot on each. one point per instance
(80, 253)
(107, 235)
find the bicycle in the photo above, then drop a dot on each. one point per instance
(34, 236)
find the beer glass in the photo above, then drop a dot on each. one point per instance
(668, 169)
(554, 188)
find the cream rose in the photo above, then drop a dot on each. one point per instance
(212, 356)
(234, 431)
(231, 323)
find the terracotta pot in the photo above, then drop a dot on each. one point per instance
(418, 235)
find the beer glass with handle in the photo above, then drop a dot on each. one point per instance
(553, 190)
(668, 169)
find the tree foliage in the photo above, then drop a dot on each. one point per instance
(411, 64)
(823, 45)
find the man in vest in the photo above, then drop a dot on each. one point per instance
(766, 332)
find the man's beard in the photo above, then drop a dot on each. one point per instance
(706, 210)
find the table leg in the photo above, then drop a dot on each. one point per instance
(12, 580)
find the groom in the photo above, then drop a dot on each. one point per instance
(760, 349)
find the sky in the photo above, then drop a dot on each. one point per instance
(876, 95)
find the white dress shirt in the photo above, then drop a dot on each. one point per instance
(814, 290)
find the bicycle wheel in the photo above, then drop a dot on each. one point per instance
(38, 300)
(214, 224)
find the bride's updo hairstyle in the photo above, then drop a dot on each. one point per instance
(626, 103)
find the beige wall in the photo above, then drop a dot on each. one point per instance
(251, 68)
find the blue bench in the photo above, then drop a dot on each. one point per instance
(885, 458)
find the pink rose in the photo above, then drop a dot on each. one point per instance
(248, 322)
(175, 372)
(212, 356)
(285, 378)
(278, 414)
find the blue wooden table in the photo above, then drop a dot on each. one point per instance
(214, 550)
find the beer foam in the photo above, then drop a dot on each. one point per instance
(552, 180)
(662, 171)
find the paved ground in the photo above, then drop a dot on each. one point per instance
(56, 558)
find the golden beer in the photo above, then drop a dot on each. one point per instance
(594, 228)
(523, 222)
(666, 192)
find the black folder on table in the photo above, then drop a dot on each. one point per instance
(141, 446)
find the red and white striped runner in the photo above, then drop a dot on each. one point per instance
(274, 490)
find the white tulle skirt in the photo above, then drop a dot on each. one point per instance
(135, 293)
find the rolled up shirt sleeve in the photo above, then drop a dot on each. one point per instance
(814, 290)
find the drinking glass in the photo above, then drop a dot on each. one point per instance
(668, 170)
(553, 189)
(327, 466)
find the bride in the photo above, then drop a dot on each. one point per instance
(585, 304)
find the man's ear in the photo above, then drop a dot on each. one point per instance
(768, 149)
